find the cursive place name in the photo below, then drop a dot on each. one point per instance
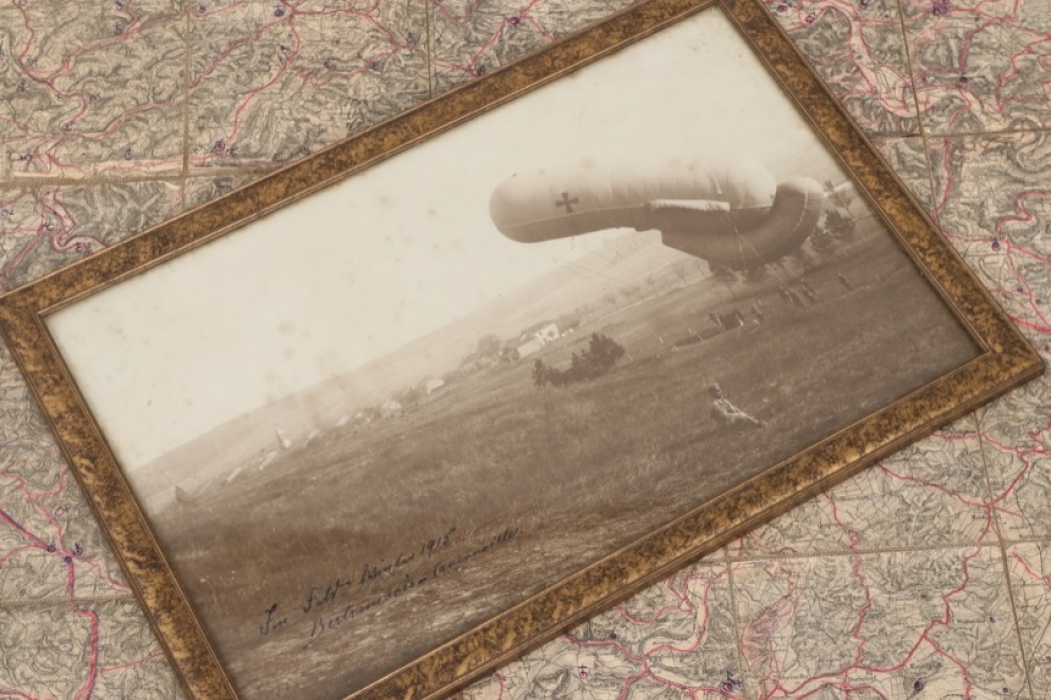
(321, 625)
(324, 594)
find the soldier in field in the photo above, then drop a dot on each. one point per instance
(728, 415)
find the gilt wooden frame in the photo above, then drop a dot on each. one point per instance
(1004, 361)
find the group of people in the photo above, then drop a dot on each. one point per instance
(722, 410)
(804, 297)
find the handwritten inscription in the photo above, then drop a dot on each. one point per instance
(322, 625)
(406, 571)
(316, 600)
(272, 623)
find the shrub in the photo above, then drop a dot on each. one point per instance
(601, 355)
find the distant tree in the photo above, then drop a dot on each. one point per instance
(840, 199)
(569, 321)
(412, 396)
(822, 241)
(541, 373)
(840, 226)
(489, 344)
(726, 276)
(578, 368)
(632, 290)
(600, 356)
(611, 298)
(603, 353)
(756, 275)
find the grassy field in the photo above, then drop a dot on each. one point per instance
(496, 488)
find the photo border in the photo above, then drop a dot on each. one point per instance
(1005, 361)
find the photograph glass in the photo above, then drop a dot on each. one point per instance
(379, 416)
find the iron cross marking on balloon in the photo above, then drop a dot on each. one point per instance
(567, 202)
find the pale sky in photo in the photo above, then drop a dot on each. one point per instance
(366, 266)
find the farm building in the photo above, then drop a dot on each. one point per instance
(390, 408)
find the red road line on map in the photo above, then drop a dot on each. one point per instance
(470, 8)
(97, 569)
(763, 626)
(223, 55)
(16, 551)
(856, 564)
(32, 34)
(469, 66)
(1039, 450)
(1014, 72)
(693, 646)
(17, 694)
(18, 257)
(93, 654)
(644, 659)
(1029, 324)
(640, 621)
(613, 643)
(1027, 215)
(1024, 283)
(289, 59)
(524, 13)
(67, 60)
(931, 484)
(1029, 252)
(392, 38)
(285, 63)
(825, 680)
(656, 616)
(1016, 481)
(1029, 569)
(842, 686)
(947, 185)
(11, 522)
(131, 664)
(488, 44)
(61, 549)
(854, 27)
(948, 616)
(924, 637)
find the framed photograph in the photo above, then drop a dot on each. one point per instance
(405, 409)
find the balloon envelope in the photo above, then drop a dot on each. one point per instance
(727, 212)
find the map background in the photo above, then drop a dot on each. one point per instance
(924, 577)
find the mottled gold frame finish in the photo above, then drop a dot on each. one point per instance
(1006, 360)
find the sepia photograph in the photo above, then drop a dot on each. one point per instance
(371, 420)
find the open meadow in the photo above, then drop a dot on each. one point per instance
(418, 526)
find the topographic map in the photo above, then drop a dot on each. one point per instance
(925, 577)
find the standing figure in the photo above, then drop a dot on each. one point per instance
(808, 291)
(728, 415)
(757, 312)
(844, 281)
